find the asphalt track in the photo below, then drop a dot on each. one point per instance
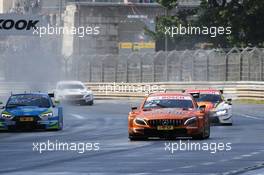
(106, 123)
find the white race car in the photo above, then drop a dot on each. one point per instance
(220, 110)
(73, 91)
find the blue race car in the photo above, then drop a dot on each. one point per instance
(31, 111)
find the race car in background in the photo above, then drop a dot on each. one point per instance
(31, 111)
(74, 92)
(219, 109)
(168, 115)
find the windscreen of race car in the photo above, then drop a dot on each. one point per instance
(214, 98)
(156, 102)
(28, 100)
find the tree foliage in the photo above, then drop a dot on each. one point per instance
(245, 17)
(169, 4)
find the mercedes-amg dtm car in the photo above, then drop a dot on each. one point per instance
(168, 115)
(220, 110)
(73, 92)
(31, 111)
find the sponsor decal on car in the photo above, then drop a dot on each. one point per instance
(169, 98)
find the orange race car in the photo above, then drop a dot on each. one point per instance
(168, 115)
(219, 108)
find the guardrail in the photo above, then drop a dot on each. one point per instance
(235, 90)
(147, 2)
(7, 88)
(190, 65)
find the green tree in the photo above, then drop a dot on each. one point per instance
(246, 18)
(177, 42)
(169, 4)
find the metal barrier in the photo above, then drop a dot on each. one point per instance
(234, 90)
(189, 65)
(175, 66)
(180, 2)
(7, 88)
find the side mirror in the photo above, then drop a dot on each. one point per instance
(1, 103)
(202, 108)
(51, 95)
(134, 108)
(229, 101)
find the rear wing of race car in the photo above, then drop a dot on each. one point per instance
(194, 95)
(149, 92)
(221, 92)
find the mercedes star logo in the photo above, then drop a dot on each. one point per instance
(165, 122)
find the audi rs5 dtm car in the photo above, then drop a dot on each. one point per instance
(168, 115)
(73, 92)
(220, 110)
(31, 111)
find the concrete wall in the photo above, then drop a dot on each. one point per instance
(5, 5)
(117, 22)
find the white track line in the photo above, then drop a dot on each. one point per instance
(208, 163)
(188, 166)
(246, 155)
(77, 116)
(254, 153)
(248, 116)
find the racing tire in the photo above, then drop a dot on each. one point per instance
(203, 135)
(60, 126)
(60, 123)
(90, 103)
(227, 124)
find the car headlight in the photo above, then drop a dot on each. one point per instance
(46, 114)
(221, 112)
(140, 121)
(191, 121)
(6, 115)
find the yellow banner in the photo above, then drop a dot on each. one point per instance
(137, 45)
(125, 45)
